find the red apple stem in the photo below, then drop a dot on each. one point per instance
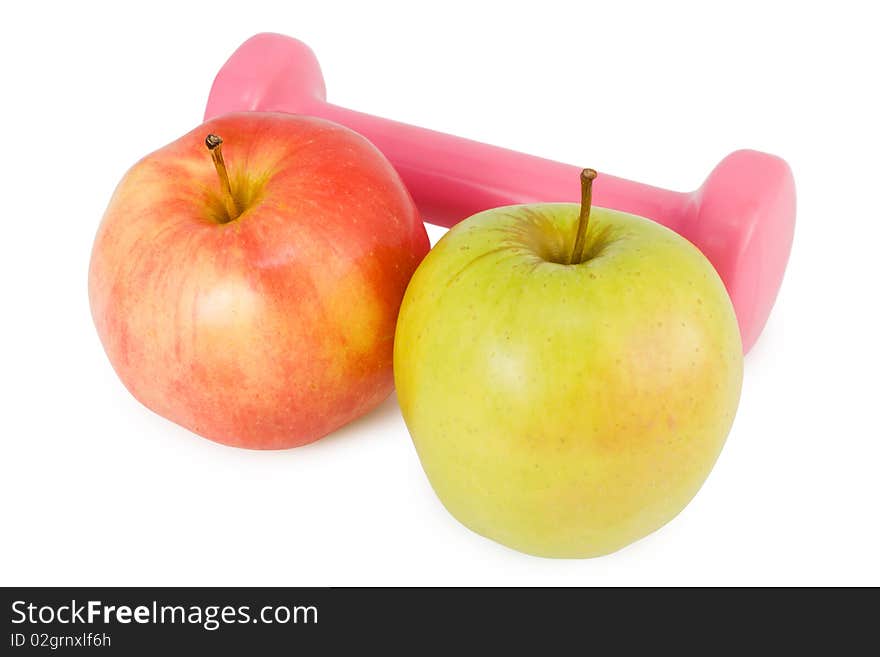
(214, 143)
(580, 238)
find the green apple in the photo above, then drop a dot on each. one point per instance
(568, 377)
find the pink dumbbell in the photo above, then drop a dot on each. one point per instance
(742, 218)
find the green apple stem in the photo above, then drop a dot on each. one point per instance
(214, 142)
(580, 239)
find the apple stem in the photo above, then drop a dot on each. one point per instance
(214, 142)
(580, 239)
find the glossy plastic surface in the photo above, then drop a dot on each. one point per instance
(742, 218)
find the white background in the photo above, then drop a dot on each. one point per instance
(95, 489)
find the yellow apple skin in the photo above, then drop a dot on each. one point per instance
(566, 410)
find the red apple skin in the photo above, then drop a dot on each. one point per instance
(276, 328)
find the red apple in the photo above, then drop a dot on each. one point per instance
(256, 308)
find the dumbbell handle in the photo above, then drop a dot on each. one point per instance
(450, 179)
